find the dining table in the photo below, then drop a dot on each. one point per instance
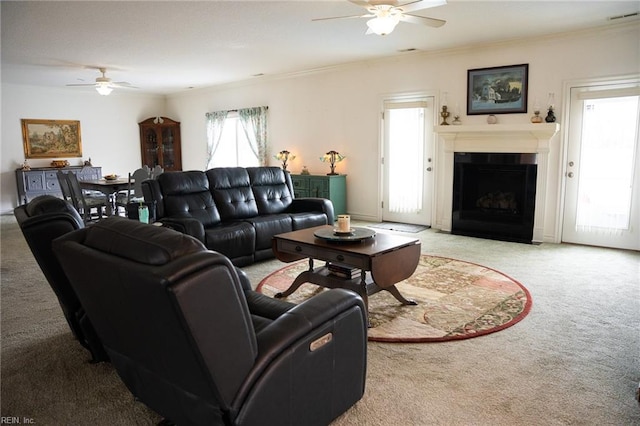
(109, 187)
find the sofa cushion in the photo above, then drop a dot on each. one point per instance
(187, 194)
(267, 226)
(270, 189)
(232, 193)
(233, 239)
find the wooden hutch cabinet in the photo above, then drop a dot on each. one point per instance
(160, 143)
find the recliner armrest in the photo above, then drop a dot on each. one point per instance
(313, 204)
(297, 323)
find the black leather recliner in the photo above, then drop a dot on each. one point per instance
(191, 340)
(41, 221)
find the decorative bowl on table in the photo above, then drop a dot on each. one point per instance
(59, 163)
(111, 177)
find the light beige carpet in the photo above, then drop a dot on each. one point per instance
(455, 300)
(574, 360)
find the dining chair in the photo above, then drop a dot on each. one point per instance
(133, 193)
(64, 186)
(90, 206)
(156, 171)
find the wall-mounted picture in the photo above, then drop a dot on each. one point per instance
(51, 138)
(497, 90)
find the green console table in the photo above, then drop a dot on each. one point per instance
(332, 187)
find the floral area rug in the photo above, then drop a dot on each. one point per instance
(456, 300)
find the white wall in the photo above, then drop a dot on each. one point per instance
(312, 113)
(108, 127)
(339, 108)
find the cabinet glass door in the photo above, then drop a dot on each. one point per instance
(151, 147)
(168, 148)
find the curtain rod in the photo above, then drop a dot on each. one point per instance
(236, 110)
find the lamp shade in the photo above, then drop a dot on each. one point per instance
(382, 25)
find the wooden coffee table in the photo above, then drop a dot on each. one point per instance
(383, 260)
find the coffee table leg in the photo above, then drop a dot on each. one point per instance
(304, 277)
(395, 293)
(365, 295)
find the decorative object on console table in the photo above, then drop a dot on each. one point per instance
(332, 157)
(44, 181)
(333, 188)
(492, 119)
(160, 143)
(51, 138)
(284, 156)
(497, 90)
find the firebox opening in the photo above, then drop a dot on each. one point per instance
(494, 195)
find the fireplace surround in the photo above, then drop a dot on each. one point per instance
(490, 139)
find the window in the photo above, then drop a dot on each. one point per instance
(234, 148)
(237, 138)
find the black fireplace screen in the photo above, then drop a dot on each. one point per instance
(494, 195)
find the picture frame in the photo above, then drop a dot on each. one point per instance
(51, 138)
(498, 90)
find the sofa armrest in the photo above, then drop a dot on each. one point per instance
(313, 204)
(186, 225)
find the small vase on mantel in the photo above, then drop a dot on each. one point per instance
(492, 119)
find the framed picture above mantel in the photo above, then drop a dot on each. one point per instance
(51, 138)
(497, 90)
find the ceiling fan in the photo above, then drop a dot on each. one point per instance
(386, 14)
(104, 85)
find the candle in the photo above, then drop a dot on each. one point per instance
(344, 223)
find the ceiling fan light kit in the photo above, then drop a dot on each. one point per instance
(104, 89)
(382, 25)
(104, 85)
(386, 14)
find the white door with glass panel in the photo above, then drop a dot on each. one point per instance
(603, 168)
(407, 160)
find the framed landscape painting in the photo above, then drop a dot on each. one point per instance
(51, 138)
(497, 90)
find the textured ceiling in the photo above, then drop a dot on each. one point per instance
(171, 46)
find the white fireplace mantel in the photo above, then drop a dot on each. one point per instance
(512, 138)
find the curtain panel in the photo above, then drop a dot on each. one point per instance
(215, 124)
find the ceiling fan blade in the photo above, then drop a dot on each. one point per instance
(361, 3)
(344, 17)
(123, 84)
(422, 20)
(81, 84)
(411, 6)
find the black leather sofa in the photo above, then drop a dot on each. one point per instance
(192, 341)
(234, 210)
